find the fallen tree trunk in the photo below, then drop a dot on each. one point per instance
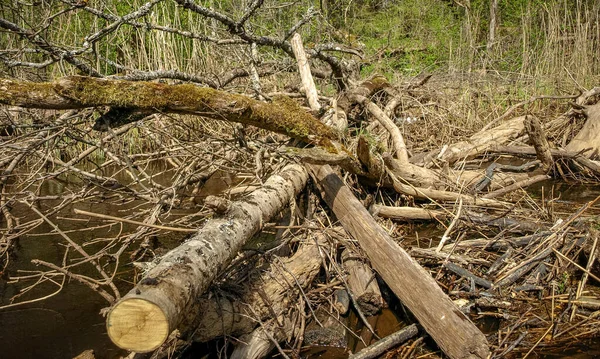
(143, 319)
(588, 138)
(269, 295)
(593, 166)
(483, 140)
(282, 116)
(455, 334)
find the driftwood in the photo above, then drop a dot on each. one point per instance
(591, 165)
(587, 139)
(362, 284)
(437, 312)
(263, 339)
(269, 294)
(483, 140)
(142, 320)
(381, 346)
(415, 213)
(409, 281)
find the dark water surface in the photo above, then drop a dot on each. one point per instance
(69, 322)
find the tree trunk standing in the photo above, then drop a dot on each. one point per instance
(455, 334)
(143, 319)
(492, 33)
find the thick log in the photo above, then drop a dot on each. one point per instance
(483, 140)
(455, 334)
(362, 284)
(269, 294)
(588, 137)
(282, 116)
(142, 320)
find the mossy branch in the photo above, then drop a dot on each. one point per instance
(283, 115)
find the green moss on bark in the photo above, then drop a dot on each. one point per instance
(283, 115)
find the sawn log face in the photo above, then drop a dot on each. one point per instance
(185, 273)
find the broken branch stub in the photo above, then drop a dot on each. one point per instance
(143, 319)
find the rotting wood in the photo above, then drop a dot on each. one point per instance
(143, 319)
(270, 292)
(540, 143)
(455, 334)
(362, 283)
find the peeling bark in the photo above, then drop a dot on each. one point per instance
(143, 319)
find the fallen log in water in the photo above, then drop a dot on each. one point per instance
(143, 319)
(269, 294)
(455, 334)
(381, 346)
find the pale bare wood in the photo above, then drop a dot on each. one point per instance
(304, 69)
(168, 291)
(389, 125)
(593, 166)
(517, 185)
(483, 140)
(407, 213)
(142, 315)
(455, 334)
(588, 137)
(263, 339)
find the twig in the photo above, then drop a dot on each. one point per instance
(386, 343)
(105, 216)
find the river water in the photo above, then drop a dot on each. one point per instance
(69, 322)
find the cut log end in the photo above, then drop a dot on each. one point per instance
(133, 316)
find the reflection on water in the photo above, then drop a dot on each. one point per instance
(69, 322)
